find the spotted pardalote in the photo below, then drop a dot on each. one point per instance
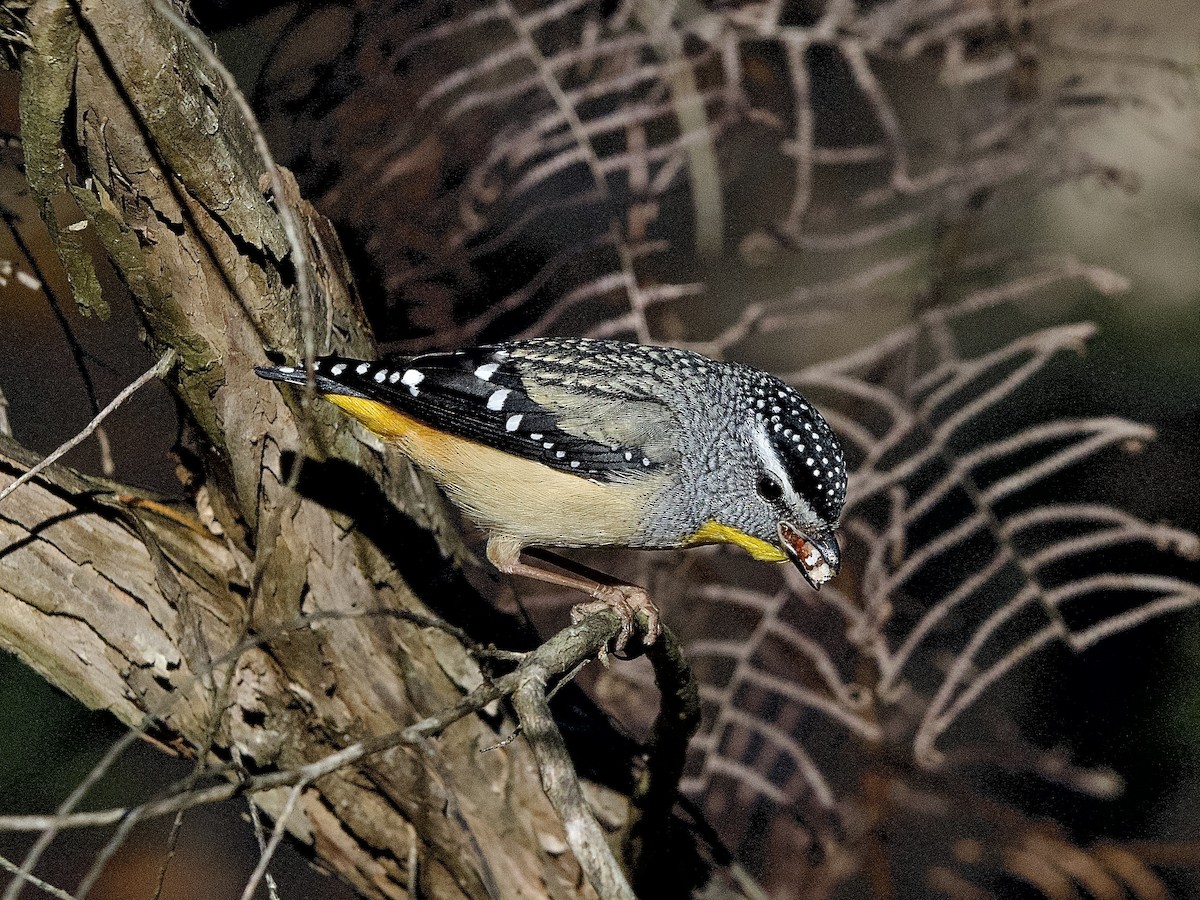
(594, 443)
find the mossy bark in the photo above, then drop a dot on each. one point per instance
(164, 170)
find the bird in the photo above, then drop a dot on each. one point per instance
(582, 442)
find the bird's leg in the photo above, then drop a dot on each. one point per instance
(626, 600)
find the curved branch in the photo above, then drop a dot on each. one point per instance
(166, 172)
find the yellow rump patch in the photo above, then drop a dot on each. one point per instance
(713, 532)
(378, 417)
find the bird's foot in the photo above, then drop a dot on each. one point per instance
(626, 600)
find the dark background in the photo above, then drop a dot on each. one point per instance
(1133, 703)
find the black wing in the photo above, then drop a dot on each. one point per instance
(497, 397)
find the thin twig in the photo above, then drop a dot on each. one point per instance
(216, 710)
(78, 354)
(677, 721)
(533, 54)
(172, 847)
(584, 834)
(708, 202)
(118, 747)
(107, 852)
(50, 889)
(158, 370)
(256, 822)
(50, 830)
(556, 656)
(268, 852)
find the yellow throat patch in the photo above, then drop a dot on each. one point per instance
(713, 532)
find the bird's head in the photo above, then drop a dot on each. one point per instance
(792, 485)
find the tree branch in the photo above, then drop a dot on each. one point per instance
(165, 170)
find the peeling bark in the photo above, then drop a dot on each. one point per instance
(125, 608)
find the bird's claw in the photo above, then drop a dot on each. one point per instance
(626, 600)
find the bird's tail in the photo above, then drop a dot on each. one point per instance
(366, 390)
(323, 383)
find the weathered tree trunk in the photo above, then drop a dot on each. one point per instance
(128, 609)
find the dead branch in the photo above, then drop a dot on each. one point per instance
(158, 370)
(166, 172)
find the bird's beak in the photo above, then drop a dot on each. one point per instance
(815, 554)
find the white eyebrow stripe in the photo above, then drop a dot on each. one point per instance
(770, 459)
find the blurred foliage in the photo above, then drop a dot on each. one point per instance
(40, 720)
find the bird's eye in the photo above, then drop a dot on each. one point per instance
(769, 488)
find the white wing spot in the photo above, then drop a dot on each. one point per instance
(560, 453)
(287, 370)
(381, 375)
(412, 378)
(496, 401)
(395, 377)
(574, 464)
(337, 370)
(535, 437)
(548, 444)
(513, 422)
(645, 460)
(486, 371)
(362, 368)
(628, 456)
